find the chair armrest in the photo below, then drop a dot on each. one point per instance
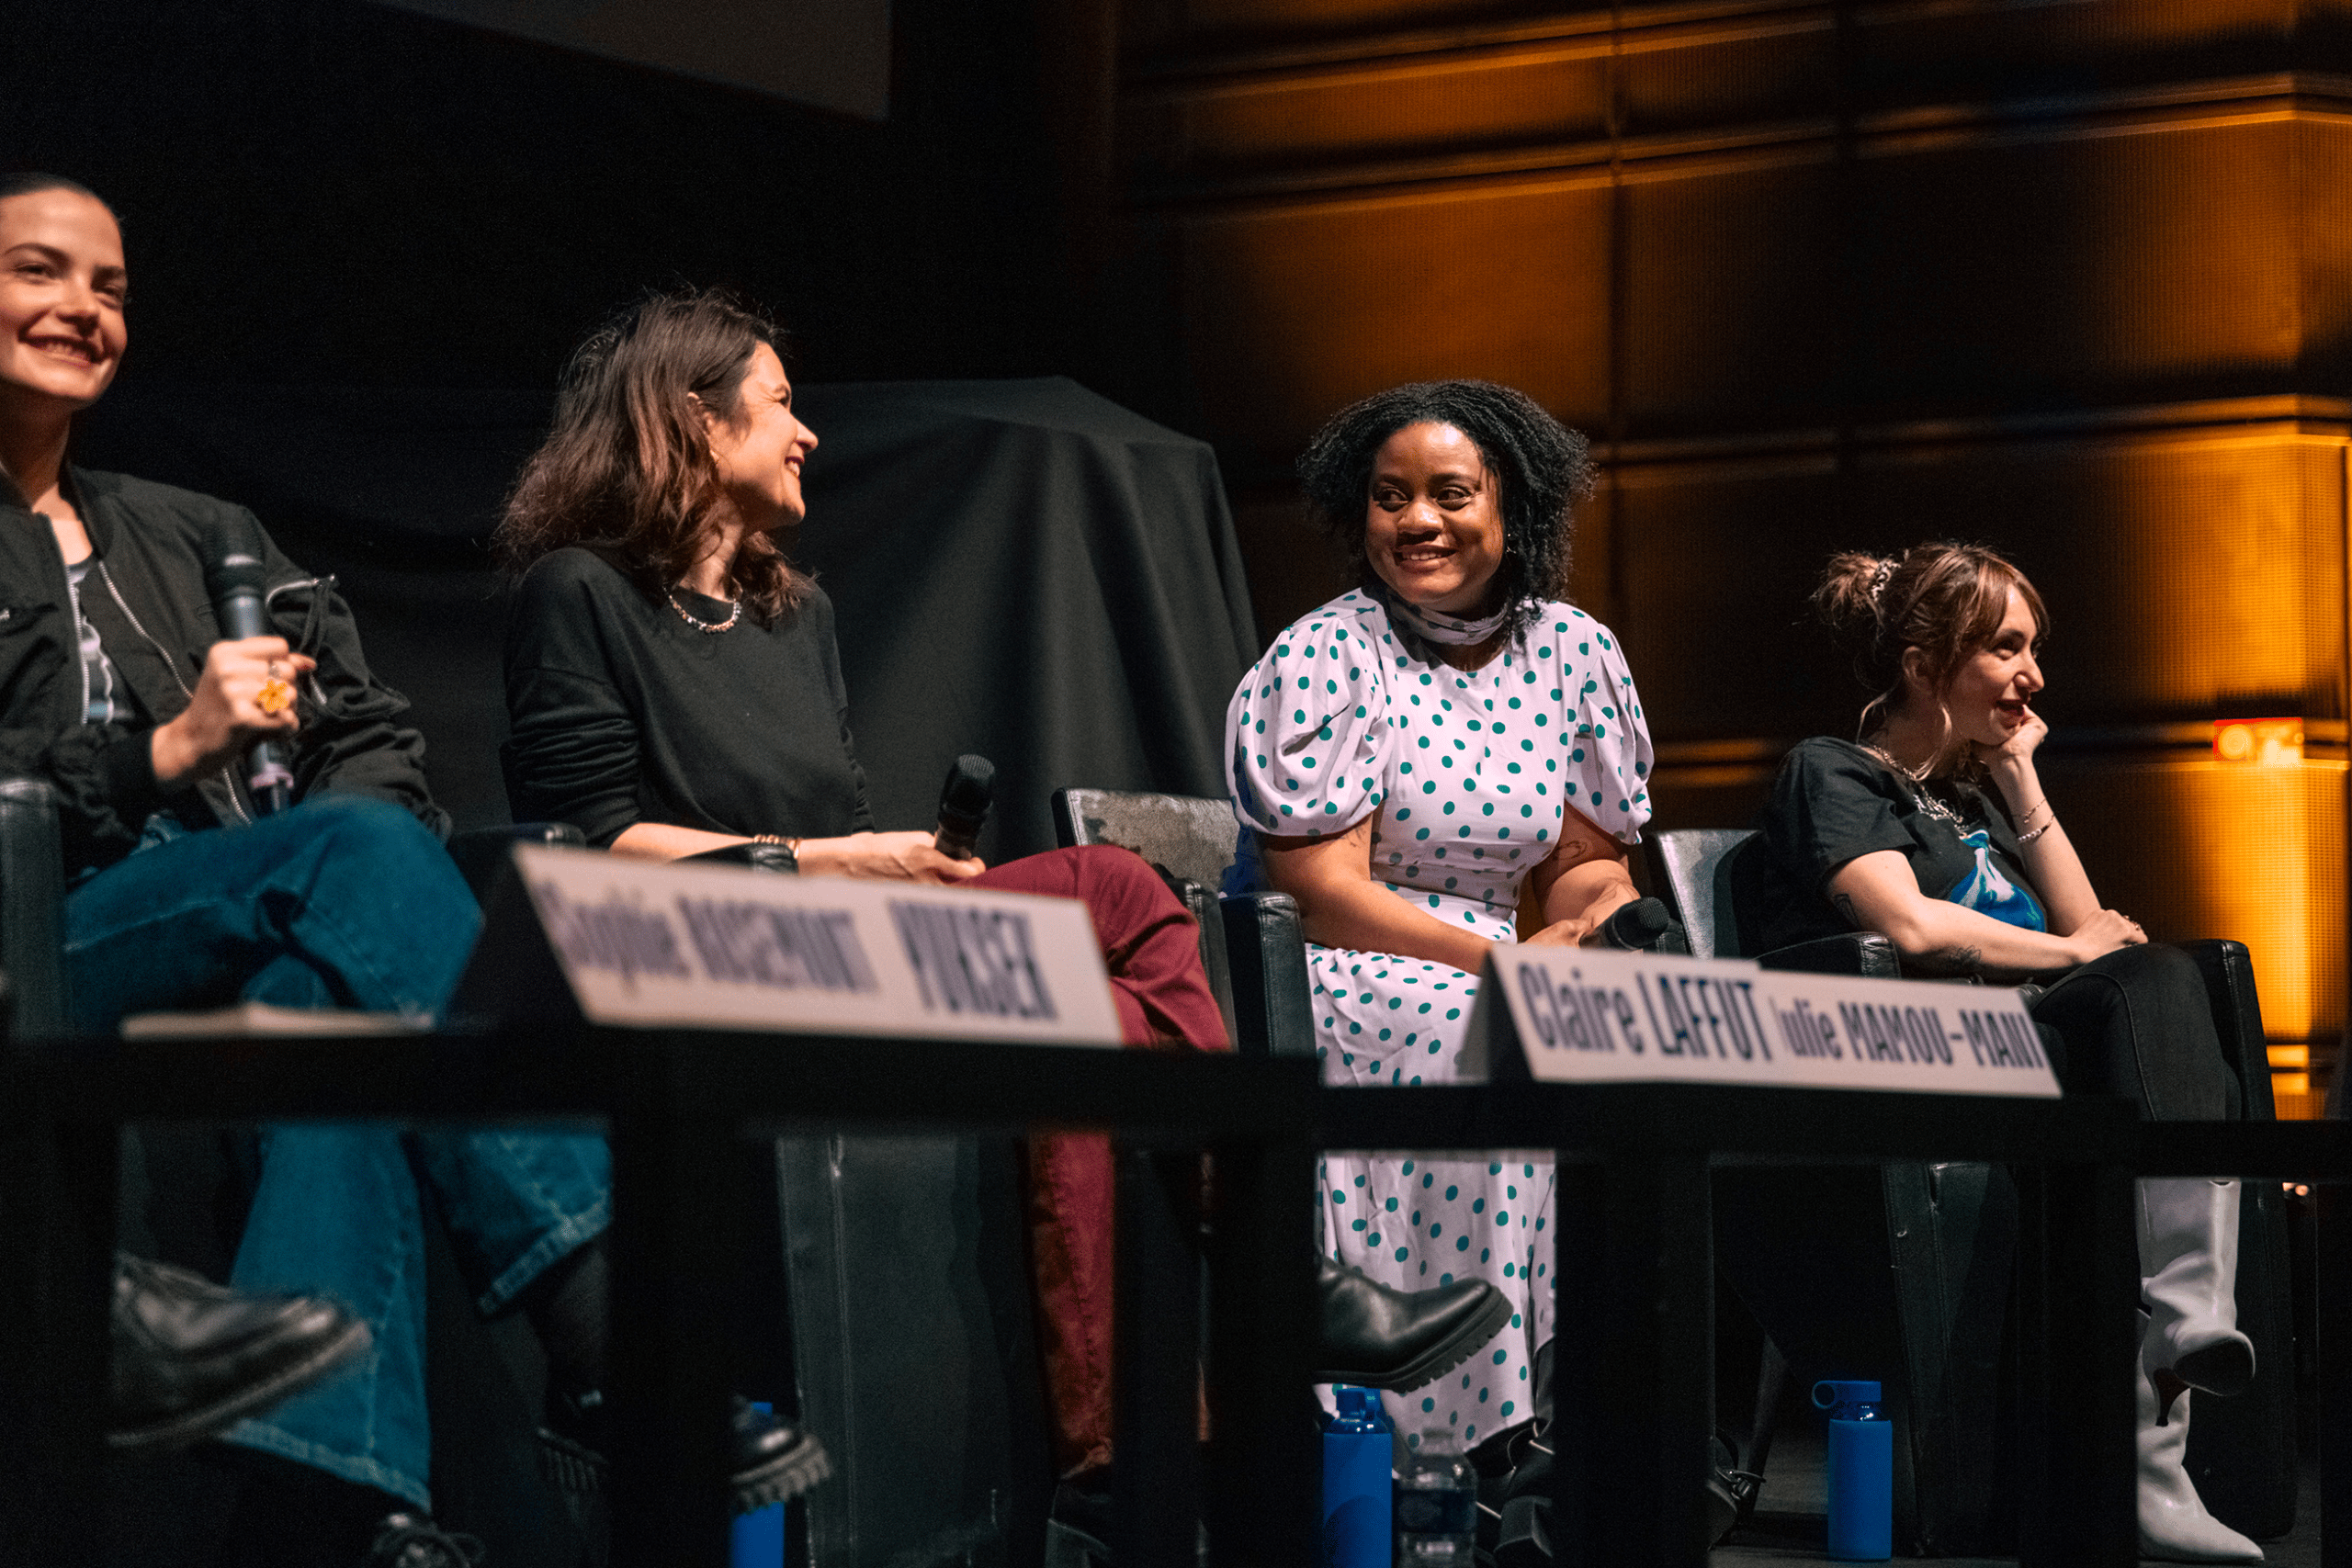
(1265, 947)
(1866, 953)
(32, 897)
(481, 851)
(2228, 972)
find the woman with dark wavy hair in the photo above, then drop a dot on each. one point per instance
(675, 690)
(1932, 828)
(1404, 760)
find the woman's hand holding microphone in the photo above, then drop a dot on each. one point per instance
(246, 694)
(893, 857)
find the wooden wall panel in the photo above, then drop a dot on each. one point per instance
(1148, 24)
(2189, 575)
(2133, 267)
(1293, 568)
(1318, 305)
(1761, 72)
(1713, 564)
(1734, 302)
(2322, 236)
(2202, 849)
(1371, 110)
(1911, 51)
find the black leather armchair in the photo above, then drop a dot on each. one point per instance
(1907, 1268)
(1251, 943)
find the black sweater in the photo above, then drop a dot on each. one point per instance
(155, 619)
(622, 713)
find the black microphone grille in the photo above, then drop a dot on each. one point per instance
(234, 572)
(1640, 923)
(971, 787)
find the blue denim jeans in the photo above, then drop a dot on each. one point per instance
(344, 901)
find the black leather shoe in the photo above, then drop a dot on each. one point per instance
(770, 1458)
(411, 1540)
(1379, 1338)
(190, 1356)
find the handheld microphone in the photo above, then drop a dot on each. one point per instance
(964, 802)
(234, 579)
(1636, 927)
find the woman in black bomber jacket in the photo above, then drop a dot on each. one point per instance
(117, 690)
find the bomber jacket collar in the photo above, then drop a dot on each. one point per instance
(94, 498)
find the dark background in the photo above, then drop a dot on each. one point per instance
(329, 192)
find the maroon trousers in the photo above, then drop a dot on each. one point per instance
(1151, 945)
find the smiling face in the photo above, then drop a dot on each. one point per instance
(1986, 696)
(1433, 525)
(61, 291)
(760, 450)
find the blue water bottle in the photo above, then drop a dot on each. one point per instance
(757, 1538)
(1357, 1455)
(1861, 1470)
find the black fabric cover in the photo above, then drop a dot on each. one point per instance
(1020, 569)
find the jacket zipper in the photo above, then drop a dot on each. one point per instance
(169, 663)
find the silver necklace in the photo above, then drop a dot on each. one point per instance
(711, 629)
(1925, 798)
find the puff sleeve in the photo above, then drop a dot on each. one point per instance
(1307, 735)
(1609, 754)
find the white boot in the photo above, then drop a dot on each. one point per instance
(2173, 1525)
(2188, 1267)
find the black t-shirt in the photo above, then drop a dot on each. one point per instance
(622, 713)
(1834, 802)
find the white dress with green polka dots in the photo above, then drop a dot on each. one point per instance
(1465, 775)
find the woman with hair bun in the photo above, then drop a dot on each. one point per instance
(1403, 761)
(1932, 828)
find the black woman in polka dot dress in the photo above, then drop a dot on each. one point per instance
(1404, 760)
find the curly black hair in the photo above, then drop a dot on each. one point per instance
(1543, 466)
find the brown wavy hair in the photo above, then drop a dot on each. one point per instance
(626, 470)
(1945, 598)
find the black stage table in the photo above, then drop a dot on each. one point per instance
(672, 1103)
(1632, 1207)
(1633, 1210)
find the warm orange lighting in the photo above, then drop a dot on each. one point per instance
(2265, 742)
(2297, 1057)
(2291, 1083)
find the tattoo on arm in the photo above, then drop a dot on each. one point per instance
(1845, 908)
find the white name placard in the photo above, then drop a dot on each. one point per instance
(1594, 1015)
(649, 944)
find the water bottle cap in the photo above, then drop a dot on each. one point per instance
(1355, 1401)
(1839, 1396)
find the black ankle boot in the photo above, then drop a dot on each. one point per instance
(1378, 1338)
(1515, 1470)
